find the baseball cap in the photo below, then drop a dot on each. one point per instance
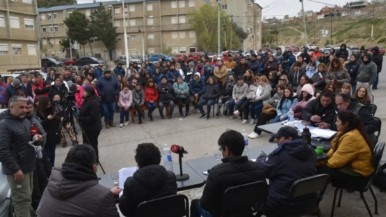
(286, 131)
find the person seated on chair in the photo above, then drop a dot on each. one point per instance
(321, 111)
(165, 93)
(290, 161)
(350, 156)
(150, 181)
(234, 170)
(212, 92)
(239, 98)
(73, 190)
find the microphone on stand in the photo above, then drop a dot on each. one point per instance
(180, 151)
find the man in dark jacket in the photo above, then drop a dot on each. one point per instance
(290, 161)
(377, 58)
(108, 90)
(240, 68)
(234, 170)
(118, 70)
(342, 52)
(58, 88)
(321, 111)
(150, 181)
(18, 158)
(165, 92)
(196, 88)
(73, 190)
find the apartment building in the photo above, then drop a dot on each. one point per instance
(18, 35)
(248, 15)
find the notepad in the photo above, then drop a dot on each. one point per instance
(123, 173)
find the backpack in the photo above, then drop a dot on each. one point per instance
(380, 178)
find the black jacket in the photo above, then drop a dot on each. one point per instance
(15, 153)
(90, 114)
(377, 58)
(147, 183)
(165, 92)
(212, 91)
(232, 172)
(314, 107)
(61, 90)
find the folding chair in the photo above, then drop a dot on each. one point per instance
(245, 200)
(377, 156)
(170, 206)
(373, 109)
(377, 133)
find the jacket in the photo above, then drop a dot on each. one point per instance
(314, 107)
(197, 87)
(367, 72)
(165, 92)
(76, 194)
(212, 91)
(220, 73)
(181, 90)
(228, 88)
(108, 89)
(240, 69)
(151, 94)
(294, 77)
(147, 183)
(125, 99)
(90, 114)
(231, 172)
(351, 150)
(138, 97)
(15, 153)
(340, 76)
(61, 90)
(240, 92)
(352, 69)
(288, 162)
(318, 79)
(283, 108)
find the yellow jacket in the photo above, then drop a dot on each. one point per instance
(351, 150)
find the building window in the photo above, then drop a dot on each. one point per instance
(175, 50)
(150, 21)
(42, 16)
(132, 8)
(55, 15)
(49, 16)
(174, 35)
(174, 20)
(3, 49)
(14, 22)
(192, 3)
(56, 28)
(29, 24)
(174, 4)
(192, 34)
(117, 23)
(31, 48)
(44, 42)
(149, 7)
(182, 19)
(150, 36)
(27, 1)
(132, 37)
(16, 49)
(224, 6)
(2, 21)
(125, 10)
(182, 49)
(44, 29)
(132, 22)
(181, 4)
(182, 34)
(50, 29)
(151, 50)
(117, 10)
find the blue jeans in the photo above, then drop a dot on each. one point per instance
(276, 119)
(375, 83)
(162, 105)
(151, 107)
(232, 105)
(196, 210)
(108, 111)
(124, 115)
(208, 103)
(255, 109)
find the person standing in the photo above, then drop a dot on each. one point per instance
(377, 58)
(367, 73)
(90, 119)
(18, 158)
(108, 90)
(119, 70)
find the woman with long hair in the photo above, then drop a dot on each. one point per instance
(350, 155)
(337, 72)
(286, 103)
(318, 77)
(306, 95)
(363, 96)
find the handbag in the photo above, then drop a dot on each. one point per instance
(268, 110)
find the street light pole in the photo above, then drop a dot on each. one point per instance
(218, 30)
(304, 22)
(125, 35)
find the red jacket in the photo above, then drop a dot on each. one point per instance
(151, 94)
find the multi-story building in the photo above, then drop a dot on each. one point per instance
(248, 15)
(18, 35)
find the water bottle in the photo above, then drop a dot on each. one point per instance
(246, 147)
(306, 135)
(167, 155)
(291, 115)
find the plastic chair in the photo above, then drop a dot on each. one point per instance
(308, 189)
(377, 133)
(377, 156)
(373, 109)
(171, 206)
(245, 200)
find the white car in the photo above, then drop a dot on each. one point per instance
(6, 209)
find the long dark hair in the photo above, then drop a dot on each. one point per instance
(284, 97)
(352, 122)
(42, 106)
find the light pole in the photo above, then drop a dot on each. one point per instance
(304, 22)
(218, 29)
(125, 35)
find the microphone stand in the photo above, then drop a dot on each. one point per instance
(181, 176)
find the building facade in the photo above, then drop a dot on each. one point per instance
(19, 47)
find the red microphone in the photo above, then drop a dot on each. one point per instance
(178, 149)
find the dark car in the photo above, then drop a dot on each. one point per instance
(92, 61)
(51, 62)
(156, 57)
(69, 62)
(132, 59)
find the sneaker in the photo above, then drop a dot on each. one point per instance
(244, 121)
(236, 113)
(253, 135)
(121, 125)
(126, 123)
(203, 115)
(252, 121)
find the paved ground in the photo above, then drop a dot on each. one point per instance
(199, 137)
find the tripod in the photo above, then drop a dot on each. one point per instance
(74, 115)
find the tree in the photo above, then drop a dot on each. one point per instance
(78, 28)
(204, 21)
(102, 28)
(50, 3)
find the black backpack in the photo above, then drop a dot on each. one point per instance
(380, 178)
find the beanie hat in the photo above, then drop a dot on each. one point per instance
(16, 82)
(309, 89)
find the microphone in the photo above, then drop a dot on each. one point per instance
(180, 151)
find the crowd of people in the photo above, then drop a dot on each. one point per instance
(328, 90)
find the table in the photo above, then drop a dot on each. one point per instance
(194, 181)
(270, 128)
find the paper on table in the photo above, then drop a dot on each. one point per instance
(124, 173)
(322, 133)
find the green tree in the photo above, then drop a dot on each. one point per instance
(78, 28)
(102, 28)
(204, 21)
(50, 3)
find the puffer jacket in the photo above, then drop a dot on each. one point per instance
(138, 97)
(352, 151)
(15, 153)
(107, 89)
(181, 90)
(240, 92)
(151, 94)
(147, 183)
(165, 92)
(340, 76)
(212, 91)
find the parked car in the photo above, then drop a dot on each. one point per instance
(51, 62)
(195, 55)
(156, 57)
(92, 61)
(122, 60)
(180, 56)
(69, 62)
(6, 209)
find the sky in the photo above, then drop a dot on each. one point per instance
(279, 8)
